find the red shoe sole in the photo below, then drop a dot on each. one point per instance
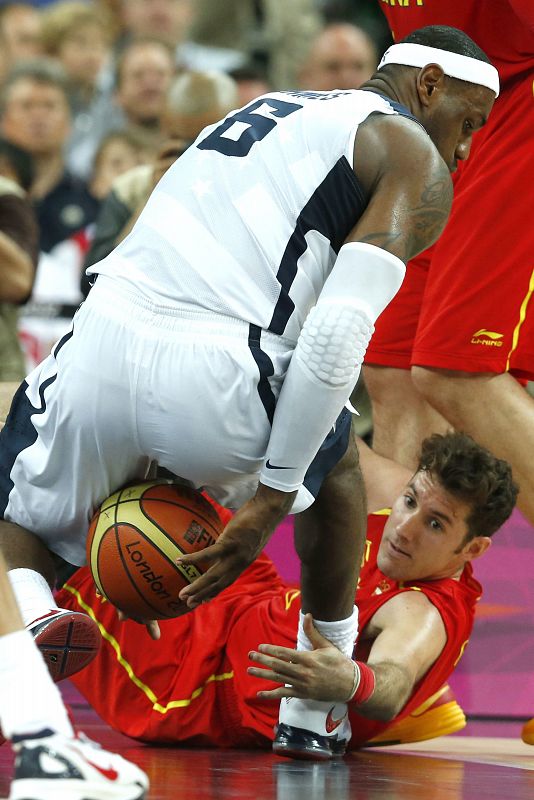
(68, 643)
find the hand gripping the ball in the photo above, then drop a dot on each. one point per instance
(239, 545)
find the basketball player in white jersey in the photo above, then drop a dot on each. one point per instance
(225, 334)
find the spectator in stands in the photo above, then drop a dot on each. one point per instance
(342, 56)
(145, 69)
(273, 34)
(18, 254)
(167, 20)
(56, 294)
(194, 100)
(251, 83)
(118, 152)
(20, 25)
(35, 115)
(77, 35)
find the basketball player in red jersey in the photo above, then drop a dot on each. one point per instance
(461, 328)
(447, 350)
(416, 598)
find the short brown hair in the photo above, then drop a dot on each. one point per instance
(65, 17)
(475, 476)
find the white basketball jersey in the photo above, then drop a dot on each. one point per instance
(248, 222)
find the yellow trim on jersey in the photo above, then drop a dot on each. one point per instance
(429, 701)
(522, 316)
(385, 512)
(224, 676)
(290, 597)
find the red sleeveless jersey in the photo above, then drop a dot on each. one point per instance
(454, 599)
(504, 29)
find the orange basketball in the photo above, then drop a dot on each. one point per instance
(135, 538)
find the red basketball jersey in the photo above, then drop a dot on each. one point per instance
(454, 599)
(503, 29)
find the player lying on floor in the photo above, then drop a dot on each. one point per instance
(416, 598)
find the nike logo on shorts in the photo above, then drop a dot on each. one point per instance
(275, 466)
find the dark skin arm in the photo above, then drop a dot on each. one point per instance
(410, 194)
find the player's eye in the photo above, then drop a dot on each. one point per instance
(409, 500)
(468, 127)
(436, 525)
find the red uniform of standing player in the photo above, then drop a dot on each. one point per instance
(464, 317)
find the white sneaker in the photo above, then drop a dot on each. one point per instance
(311, 729)
(68, 641)
(52, 767)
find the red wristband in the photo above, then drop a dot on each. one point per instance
(366, 683)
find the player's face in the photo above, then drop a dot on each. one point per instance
(452, 121)
(423, 537)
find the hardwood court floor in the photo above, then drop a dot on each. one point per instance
(451, 768)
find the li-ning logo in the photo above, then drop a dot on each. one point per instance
(487, 338)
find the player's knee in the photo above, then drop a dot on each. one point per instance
(432, 384)
(384, 384)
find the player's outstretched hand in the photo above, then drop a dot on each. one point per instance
(323, 673)
(241, 542)
(150, 624)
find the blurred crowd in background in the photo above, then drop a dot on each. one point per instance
(98, 98)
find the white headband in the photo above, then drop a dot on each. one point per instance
(456, 66)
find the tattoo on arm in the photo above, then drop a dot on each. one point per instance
(429, 217)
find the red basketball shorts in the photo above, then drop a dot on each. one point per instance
(467, 303)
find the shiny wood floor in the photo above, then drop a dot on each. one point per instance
(452, 768)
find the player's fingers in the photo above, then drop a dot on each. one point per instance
(277, 694)
(266, 674)
(283, 653)
(204, 588)
(212, 553)
(153, 629)
(313, 634)
(277, 670)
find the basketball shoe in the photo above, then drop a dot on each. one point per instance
(52, 767)
(311, 729)
(68, 641)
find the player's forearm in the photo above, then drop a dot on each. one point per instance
(16, 271)
(327, 359)
(393, 686)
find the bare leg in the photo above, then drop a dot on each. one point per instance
(329, 539)
(22, 549)
(495, 410)
(402, 417)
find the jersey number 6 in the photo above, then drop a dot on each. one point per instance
(236, 135)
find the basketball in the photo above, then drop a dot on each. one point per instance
(135, 538)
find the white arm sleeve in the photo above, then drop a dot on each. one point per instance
(327, 360)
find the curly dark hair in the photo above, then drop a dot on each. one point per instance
(475, 476)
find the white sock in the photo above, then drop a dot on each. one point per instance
(29, 699)
(342, 633)
(33, 594)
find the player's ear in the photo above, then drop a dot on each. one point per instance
(429, 79)
(476, 547)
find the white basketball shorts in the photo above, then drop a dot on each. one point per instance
(135, 385)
